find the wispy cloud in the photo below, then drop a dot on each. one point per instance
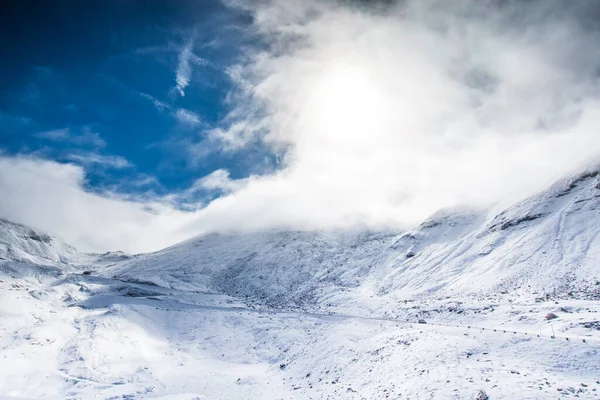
(186, 60)
(54, 135)
(85, 138)
(184, 70)
(144, 180)
(11, 120)
(182, 115)
(219, 180)
(187, 117)
(160, 105)
(105, 161)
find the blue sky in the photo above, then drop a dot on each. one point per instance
(135, 124)
(124, 89)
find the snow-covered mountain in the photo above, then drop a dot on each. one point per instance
(547, 244)
(23, 244)
(288, 314)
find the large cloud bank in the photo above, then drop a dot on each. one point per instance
(385, 113)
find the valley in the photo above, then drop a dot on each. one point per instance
(465, 305)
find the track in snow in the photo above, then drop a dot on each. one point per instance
(170, 301)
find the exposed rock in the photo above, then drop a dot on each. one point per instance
(550, 316)
(592, 325)
(482, 396)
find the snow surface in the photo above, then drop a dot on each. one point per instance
(316, 315)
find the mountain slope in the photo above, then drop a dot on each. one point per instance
(547, 244)
(23, 244)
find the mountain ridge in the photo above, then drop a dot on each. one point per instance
(523, 246)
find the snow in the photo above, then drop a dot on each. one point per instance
(21, 243)
(316, 315)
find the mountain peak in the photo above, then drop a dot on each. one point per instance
(21, 243)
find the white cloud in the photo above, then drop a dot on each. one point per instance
(184, 70)
(186, 60)
(219, 180)
(184, 116)
(144, 180)
(159, 105)
(187, 117)
(384, 117)
(86, 137)
(54, 135)
(106, 161)
(49, 196)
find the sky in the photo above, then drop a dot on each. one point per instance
(133, 125)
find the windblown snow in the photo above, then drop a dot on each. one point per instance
(469, 304)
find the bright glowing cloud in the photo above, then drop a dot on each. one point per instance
(385, 115)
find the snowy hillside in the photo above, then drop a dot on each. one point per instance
(508, 302)
(23, 244)
(548, 244)
(285, 268)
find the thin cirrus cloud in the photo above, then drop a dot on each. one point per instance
(54, 135)
(187, 117)
(182, 115)
(159, 105)
(187, 60)
(85, 138)
(104, 161)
